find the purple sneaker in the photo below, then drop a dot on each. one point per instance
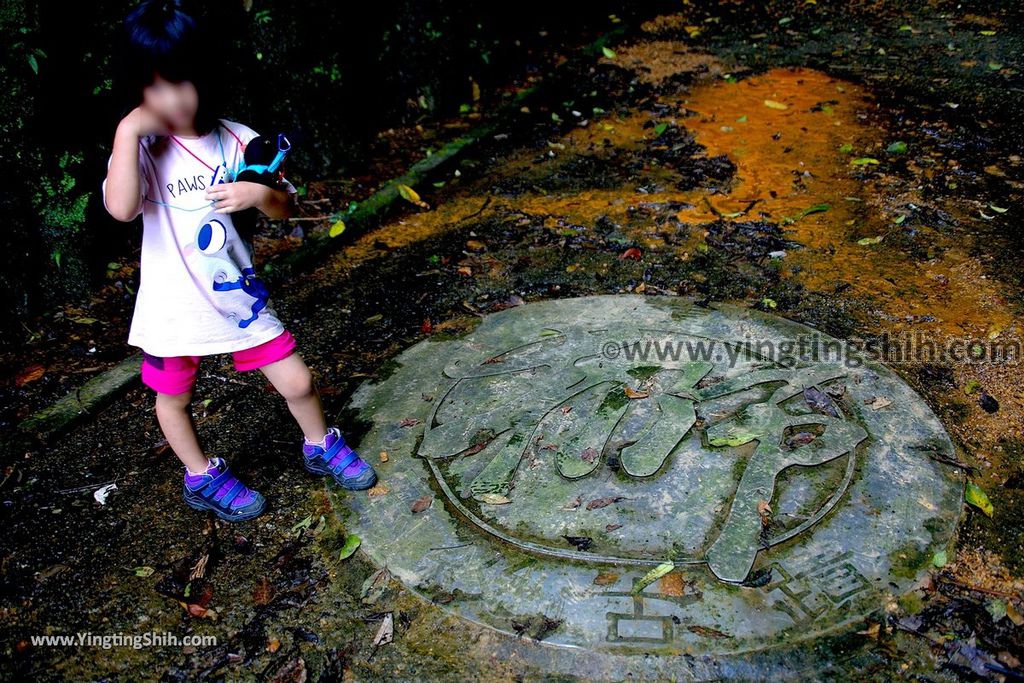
(337, 459)
(219, 490)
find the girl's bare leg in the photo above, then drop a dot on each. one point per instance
(292, 378)
(174, 413)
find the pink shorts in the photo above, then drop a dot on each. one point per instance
(177, 374)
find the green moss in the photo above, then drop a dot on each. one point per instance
(387, 368)
(642, 372)
(1002, 531)
(908, 559)
(613, 400)
(912, 603)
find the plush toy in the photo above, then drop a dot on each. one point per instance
(261, 164)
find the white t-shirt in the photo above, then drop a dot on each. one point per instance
(198, 292)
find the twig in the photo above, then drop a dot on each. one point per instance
(87, 487)
(478, 211)
(978, 589)
(713, 209)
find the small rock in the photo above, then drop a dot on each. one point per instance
(987, 403)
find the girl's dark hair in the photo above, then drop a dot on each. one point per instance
(162, 37)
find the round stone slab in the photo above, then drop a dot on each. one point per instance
(637, 474)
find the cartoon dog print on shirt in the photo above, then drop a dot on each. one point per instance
(221, 259)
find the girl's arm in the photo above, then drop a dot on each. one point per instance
(123, 186)
(123, 194)
(277, 203)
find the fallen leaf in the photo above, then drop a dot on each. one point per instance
(493, 499)
(589, 454)
(652, 576)
(53, 570)
(598, 503)
(1014, 614)
(707, 632)
(632, 393)
(672, 584)
(879, 402)
(383, 456)
(292, 672)
(772, 104)
(422, 503)
(997, 608)
(378, 489)
(977, 497)
(263, 592)
(988, 403)
(352, 543)
(374, 586)
(409, 195)
(581, 542)
(866, 241)
(871, 631)
(198, 611)
(737, 438)
(30, 374)
(386, 632)
(631, 253)
(605, 578)
(799, 439)
(143, 571)
(409, 422)
(337, 228)
(818, 400)
(303, 524)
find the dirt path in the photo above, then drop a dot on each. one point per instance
(693, 161)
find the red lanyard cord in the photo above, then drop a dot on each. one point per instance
(182, 145)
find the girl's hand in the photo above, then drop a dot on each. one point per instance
(236, 196)
(142, 122)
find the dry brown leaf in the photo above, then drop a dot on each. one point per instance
(263, 592)
(379, 489)
(422, 503)
(603, 502)
(30, 374)
(672, 584)
(632, 393)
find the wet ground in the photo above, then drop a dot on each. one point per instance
(858, 171)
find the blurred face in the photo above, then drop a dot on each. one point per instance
(176, 103)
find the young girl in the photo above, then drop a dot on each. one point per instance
(199, 293)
